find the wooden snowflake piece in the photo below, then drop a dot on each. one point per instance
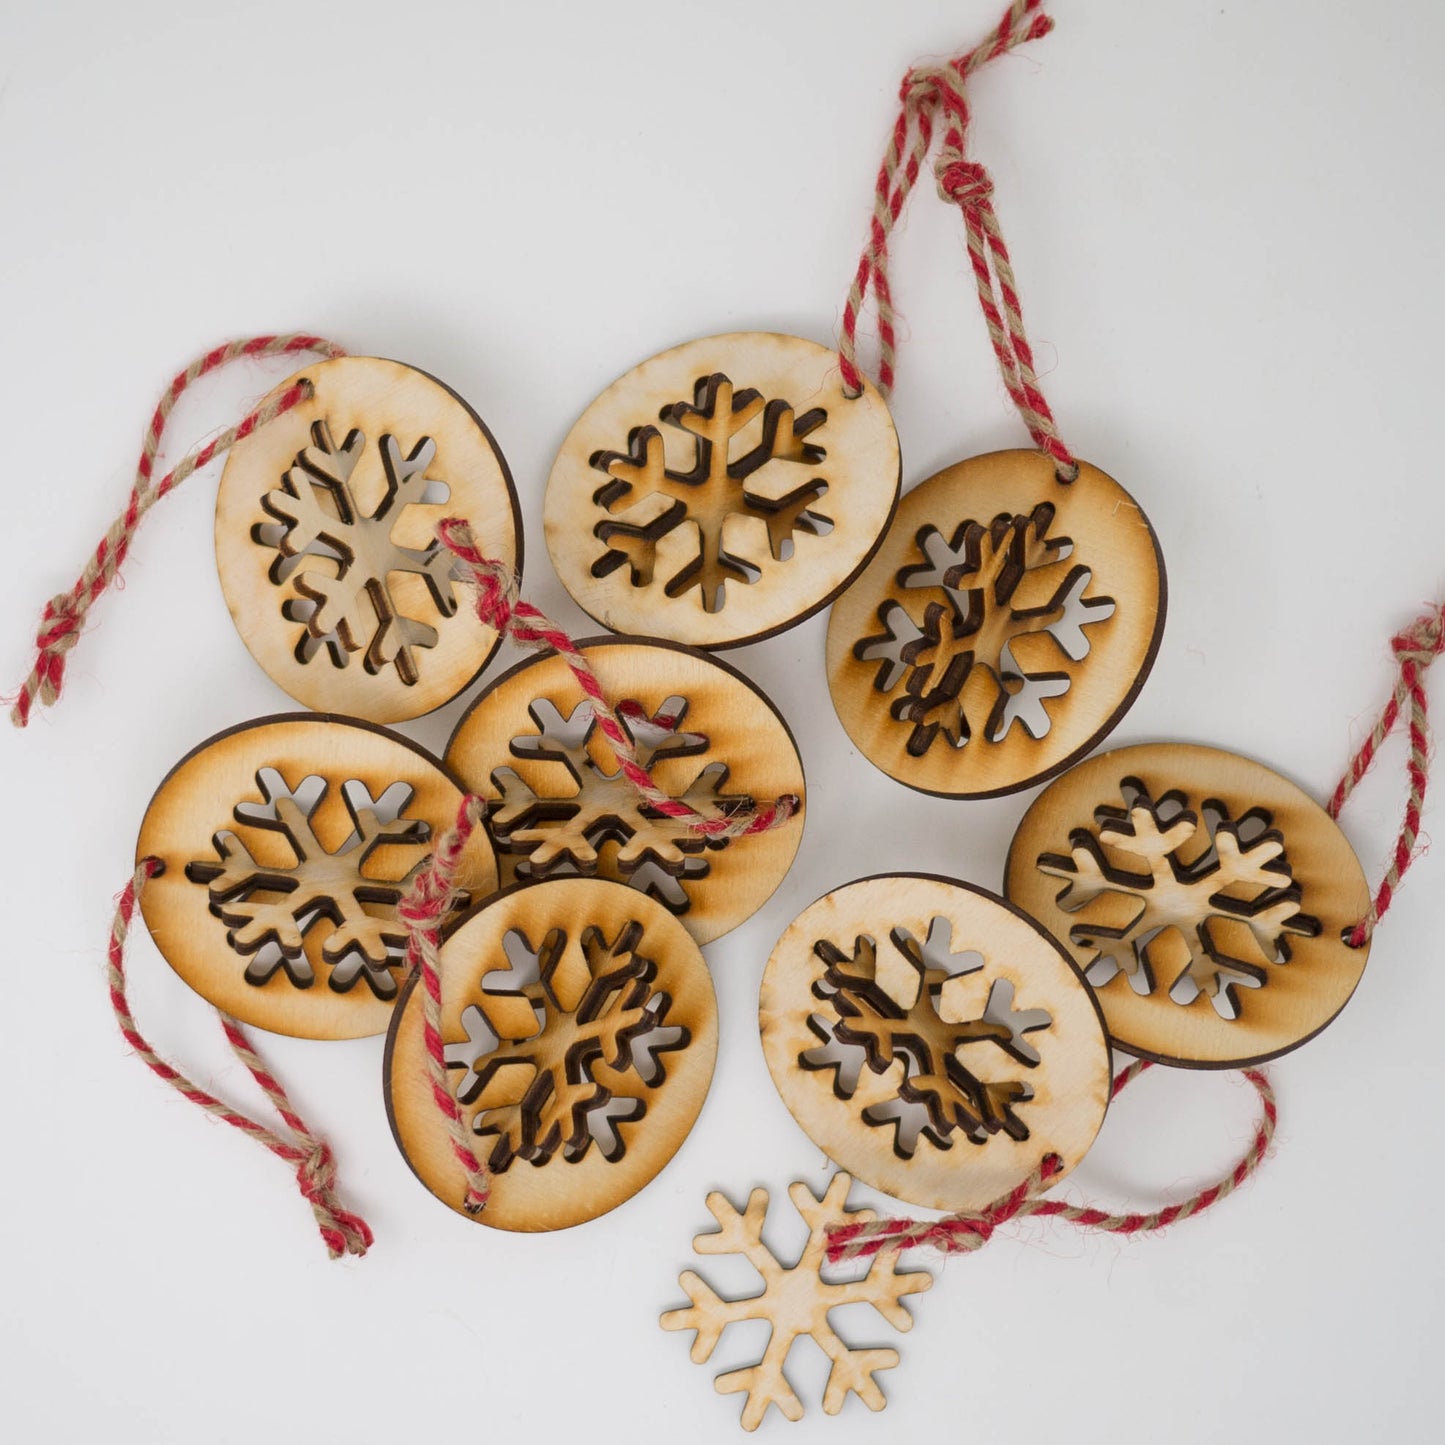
(795, 1301)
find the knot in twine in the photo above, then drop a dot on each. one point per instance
(930, 96)
(342, 1231)
(1423, 641)
(964, 181)
(965, 1232)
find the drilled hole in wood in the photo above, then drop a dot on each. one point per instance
(337, 560)
(728, 457)
(918, 1013)
(269, 908)
(1184, 902)
(951, 640)
(563, 829)
(563, 1047)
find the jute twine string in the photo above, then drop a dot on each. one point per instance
(1415, 649)
(965, 1232)
(930, 94)
(342, 1231)
(64, 615)
(432, 896)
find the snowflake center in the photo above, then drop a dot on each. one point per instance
(1193, 905)
(980, 593)
(723, 506)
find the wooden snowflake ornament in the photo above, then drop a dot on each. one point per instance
(795, 1301)
(325, 540)
(722, 491)
(1005, 626)
(1206, 899)
(579, 1029)
(285, 846)
(560, 806)
(933, 1040)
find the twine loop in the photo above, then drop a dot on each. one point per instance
(931, 96)
(965, 1232)
(1414, 648)
(341, 1231)
(64, 616)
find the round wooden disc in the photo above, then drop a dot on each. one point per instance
(286, 845)
(580, 1030)
(326, 545)
(1004, 627)
(1205, 898)
(559, 804)
(721, 491)
(933, 1040)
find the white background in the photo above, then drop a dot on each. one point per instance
(1227, 224)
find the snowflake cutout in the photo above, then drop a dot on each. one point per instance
(988, 587)
(728, 478)
(795, 1301)
(1190, 904)
(350, 606)
(268, 911)
(554, 1062)
(924, 1029)
(564, 829)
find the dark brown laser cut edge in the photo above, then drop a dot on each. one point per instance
(1133, 1050)
(520, 549)
(823, 602)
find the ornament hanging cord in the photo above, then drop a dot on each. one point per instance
(934, 96)
(965, 1232)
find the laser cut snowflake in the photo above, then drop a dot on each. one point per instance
(268, 911)
(728, 479)
(1191, 904)
(925, 1029)
(981, 592)
(351, 606)
(795, 1301)
(554, 1063)
(564, 829)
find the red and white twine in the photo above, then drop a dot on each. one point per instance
(64, 615)
(342, 1231)
(965, 1232)
(432, 897)
(930, 96)
(1415, 649)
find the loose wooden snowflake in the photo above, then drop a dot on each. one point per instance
(718, 486)
(795, 1301)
